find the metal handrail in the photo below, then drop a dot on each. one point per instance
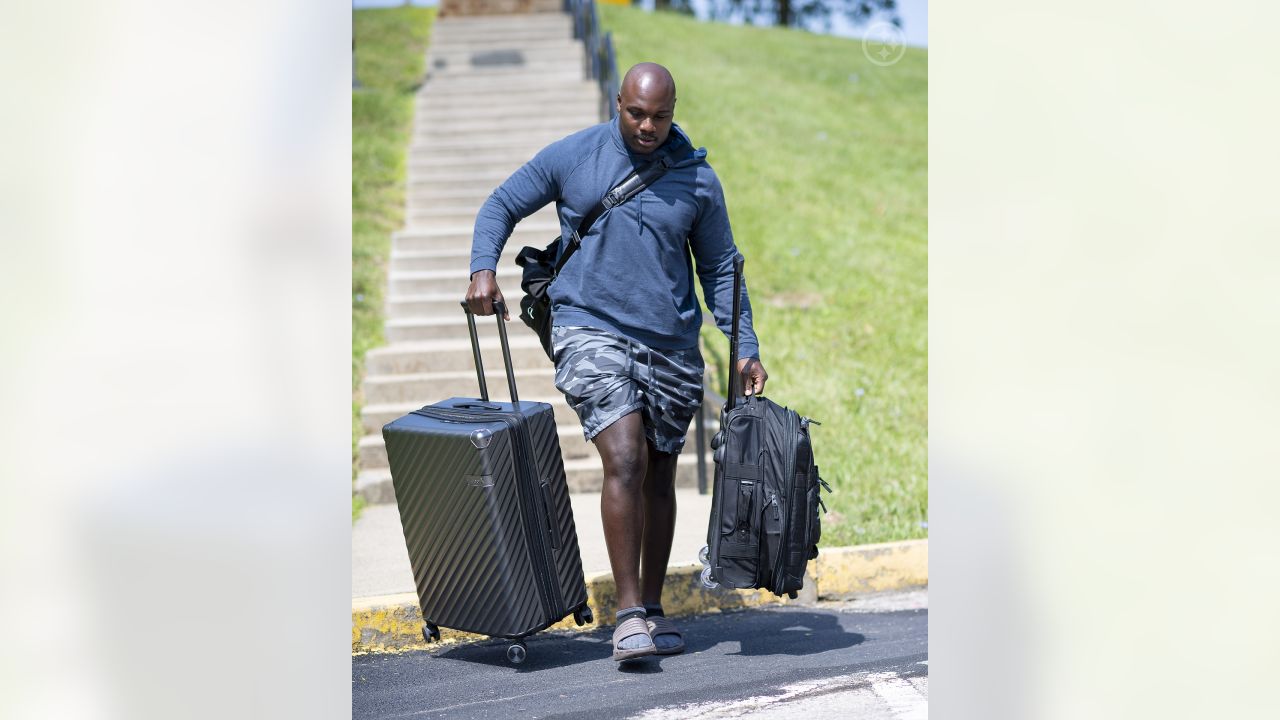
(600, 60)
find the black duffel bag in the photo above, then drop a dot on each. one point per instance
(535, 307)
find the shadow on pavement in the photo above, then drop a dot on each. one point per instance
(758, 631)
(546, 651)
(770, 632)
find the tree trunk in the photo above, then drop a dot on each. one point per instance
(784, 13)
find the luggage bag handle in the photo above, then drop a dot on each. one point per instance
(499, 309)
(738, 262)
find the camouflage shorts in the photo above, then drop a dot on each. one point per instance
(604, 377)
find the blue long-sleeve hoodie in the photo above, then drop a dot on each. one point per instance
(633, 275)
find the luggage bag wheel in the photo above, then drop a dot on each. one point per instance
(583, 616)
(704, 556)
(707, 582)
(517, 652)
(430, 632)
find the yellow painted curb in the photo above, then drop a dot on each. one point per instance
(840, 572)
(393, 623)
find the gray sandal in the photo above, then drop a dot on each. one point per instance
(661, 626)
(630, 627)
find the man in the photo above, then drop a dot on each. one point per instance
(626, 321)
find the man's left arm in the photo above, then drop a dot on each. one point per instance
(711, 240)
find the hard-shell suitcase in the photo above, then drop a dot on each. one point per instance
(485, 509)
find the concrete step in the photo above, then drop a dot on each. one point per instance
(525, 145)
(509, 35)
(507, 159)
(461, 161)
(424, 388)
(443, 281)
(449, 238)
(549, 75)
(540, 74)
(431, 178)
(465, 200)
(530, 92)
(587, 107)
(583, 475)
(431, 106)
(429, 186)
(418, 305)
(452, 27)
(453, 215)
(499, 53)
(458, 259)
(566, 121)
(449, 44)
(404, 306)
(471, 56)
(502, 162)
(463, 196)
(438, 327)
(446, 355)
(457, 194)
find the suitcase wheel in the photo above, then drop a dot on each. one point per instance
(583, 616)
(431, 632)
(517, 652)
(793, 595)
(704, 556)
(707, 582)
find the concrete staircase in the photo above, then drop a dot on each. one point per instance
(498, 90)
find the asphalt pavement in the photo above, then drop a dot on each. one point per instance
(865, 658)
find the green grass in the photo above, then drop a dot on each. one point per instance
(390, 61)
(824, 160)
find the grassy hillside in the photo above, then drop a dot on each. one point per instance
(390, 61)
(823, 156)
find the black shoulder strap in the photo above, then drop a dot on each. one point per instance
(630, 187)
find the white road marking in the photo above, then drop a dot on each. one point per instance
(904, 701)
(875, 695)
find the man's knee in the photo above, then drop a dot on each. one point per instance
(623, 450)
(660, 479)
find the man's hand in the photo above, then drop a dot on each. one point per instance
(484, 292)
(752, 375)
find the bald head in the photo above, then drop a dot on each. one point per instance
(646, 106)
(649, 77)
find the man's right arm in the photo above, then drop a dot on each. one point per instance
(527, 190)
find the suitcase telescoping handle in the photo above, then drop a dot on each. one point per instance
(734, 380)
(499, 309)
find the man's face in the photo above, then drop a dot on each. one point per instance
(645, 111)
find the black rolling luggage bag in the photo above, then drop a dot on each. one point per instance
(486, 515)
(764, 525)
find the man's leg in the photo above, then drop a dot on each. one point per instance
(624, 450)
(659, 523)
